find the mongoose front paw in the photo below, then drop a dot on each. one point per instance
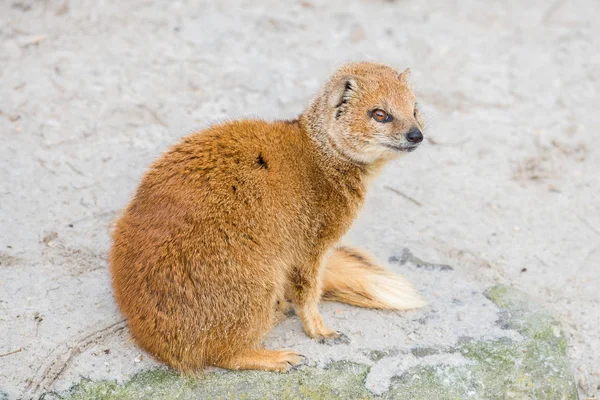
(297, 363)
(290, 361)
(335, 338)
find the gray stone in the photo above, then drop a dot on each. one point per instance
(536, 366)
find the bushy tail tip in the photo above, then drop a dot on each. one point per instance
(353, 277)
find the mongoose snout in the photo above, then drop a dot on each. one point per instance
(414, 135)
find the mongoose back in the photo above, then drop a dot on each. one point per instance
(236, 219)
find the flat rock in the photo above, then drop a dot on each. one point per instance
(488, 344)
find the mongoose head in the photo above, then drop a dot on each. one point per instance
(368, 112)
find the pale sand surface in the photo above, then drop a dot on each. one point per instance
(506, 189)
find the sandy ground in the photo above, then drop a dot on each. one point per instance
(506, 188)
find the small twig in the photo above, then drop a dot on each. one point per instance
(552, 10)
(589, 225)
(153, 114)
(43, 165)
(11, 117)
(12, 352)
(93, 216)
(407, 197)
(541, 261)
(52, 289)
(74, 169)
(59, 359)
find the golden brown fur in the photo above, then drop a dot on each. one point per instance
(234, 218)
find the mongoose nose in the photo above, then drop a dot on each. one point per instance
(414, 135)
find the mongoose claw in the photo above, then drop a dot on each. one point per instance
(303, 361)
(337, 338)
(342, 339)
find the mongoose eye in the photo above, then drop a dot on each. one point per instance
(381, 116)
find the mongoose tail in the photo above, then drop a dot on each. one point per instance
(353, 277)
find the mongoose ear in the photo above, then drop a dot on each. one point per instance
(405, 76)
(342, 90)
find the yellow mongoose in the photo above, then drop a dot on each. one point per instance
(235, 219)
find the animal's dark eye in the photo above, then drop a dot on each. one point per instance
(381, 116)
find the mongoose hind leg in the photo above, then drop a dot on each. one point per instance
(283, 309)
(263, 360)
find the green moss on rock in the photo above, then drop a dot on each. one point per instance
(435, 382)
(535, 368)
(340, 380)
(376, 355)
